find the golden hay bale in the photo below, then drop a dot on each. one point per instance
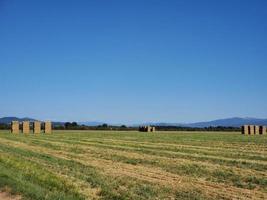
(147, 129)
(256, 130)
(26, 127)
(245, 129)
(36, 127)
(251, 130)
(15, 127)
(48, 127)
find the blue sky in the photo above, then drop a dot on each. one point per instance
(133, 61)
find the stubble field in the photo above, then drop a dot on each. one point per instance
(131, 165)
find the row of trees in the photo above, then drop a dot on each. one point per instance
(4, 126)
(76, 126)
(210, 128)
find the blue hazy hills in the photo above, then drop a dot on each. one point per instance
(232, 122)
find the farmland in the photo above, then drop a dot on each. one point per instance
(131, 165)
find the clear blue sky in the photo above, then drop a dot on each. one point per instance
(133, 61)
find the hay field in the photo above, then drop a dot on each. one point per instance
(132, 165)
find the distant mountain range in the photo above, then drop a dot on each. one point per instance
(228, 122)
(7, 120)
(232, 122)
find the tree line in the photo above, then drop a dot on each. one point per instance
(76, 126)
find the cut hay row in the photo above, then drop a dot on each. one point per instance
(126, 146)
(107, 166)
(131, 165)
(246, 153)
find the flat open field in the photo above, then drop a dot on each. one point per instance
(133, 165)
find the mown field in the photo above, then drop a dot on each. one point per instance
(131, 165)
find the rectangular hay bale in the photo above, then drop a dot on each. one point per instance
(26, 127)
(15, 127)
(256, 130)
(245, 129)
(48, 127)
(262, 130)
(36, 127)
(251, 130)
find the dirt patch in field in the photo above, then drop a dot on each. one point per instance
(7, 196)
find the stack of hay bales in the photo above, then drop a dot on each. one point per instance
(15, 127)
(26, 127)
(147, 129)
(36, 127)
(253, 130)
(48, 127)
(142, 129)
